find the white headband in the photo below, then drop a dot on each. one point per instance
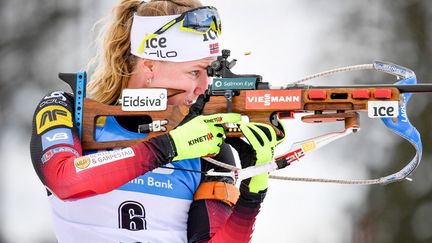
(173, 45)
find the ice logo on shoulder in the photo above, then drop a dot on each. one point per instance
(144, 99)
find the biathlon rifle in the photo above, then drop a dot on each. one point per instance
(260, 102)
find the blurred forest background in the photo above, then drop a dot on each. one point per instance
(40, 38)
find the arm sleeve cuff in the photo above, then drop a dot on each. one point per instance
(164, 148)
(250, 199)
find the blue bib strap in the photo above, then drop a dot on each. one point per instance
(406, 130)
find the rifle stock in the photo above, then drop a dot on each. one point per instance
(329, 109)
(93, 109)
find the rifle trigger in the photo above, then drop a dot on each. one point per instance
(155, 126)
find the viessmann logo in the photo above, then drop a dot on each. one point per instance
(207, 137)
(273, 99)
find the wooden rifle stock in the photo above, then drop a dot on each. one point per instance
(93, 109)
(339, 104)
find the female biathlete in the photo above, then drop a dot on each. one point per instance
(140, 193)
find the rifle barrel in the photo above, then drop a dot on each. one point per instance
(415, 88)
(403, 88)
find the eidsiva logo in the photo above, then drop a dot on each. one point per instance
(273, 99)
(144, 99)
(51, 116)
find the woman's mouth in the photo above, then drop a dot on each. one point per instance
(188, 101)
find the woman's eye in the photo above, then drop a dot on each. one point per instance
(195, 73)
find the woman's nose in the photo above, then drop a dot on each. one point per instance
(201, 86)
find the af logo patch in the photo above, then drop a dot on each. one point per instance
(51, 116)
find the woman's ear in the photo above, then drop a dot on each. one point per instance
(147, 66)
(143, 74)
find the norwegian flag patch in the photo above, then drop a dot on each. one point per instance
(214, 48)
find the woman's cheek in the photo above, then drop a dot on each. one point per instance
(176, 100)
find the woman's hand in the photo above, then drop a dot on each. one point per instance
(201, 136)
(262, 141)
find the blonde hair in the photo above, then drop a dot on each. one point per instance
(114, 64)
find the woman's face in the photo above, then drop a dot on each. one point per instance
(188, 76)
